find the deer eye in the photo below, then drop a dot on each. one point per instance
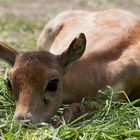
(8, 83)
(52, 85)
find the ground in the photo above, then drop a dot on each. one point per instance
(44, 8)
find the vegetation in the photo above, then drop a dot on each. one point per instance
(116, 121)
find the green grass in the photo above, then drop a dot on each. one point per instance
(116, 121)
(20, 32)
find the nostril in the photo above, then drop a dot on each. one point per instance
(23, 117)
(19, 117)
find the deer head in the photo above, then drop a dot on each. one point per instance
(36, 79)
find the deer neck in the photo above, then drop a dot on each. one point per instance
(82, 79)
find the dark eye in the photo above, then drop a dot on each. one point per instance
(52, 85)
(8, 83)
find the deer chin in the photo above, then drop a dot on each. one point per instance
(45, 119)
(41, 121)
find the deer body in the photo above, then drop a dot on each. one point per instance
(111, 56)
(41, 81)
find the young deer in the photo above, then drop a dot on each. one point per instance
(41, 81)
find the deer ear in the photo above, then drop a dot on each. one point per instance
(75, 50)
(7, 53)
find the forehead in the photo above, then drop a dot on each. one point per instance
(40, 57)
(34, 64)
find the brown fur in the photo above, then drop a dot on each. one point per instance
(112, 57)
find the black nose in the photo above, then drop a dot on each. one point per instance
(21, 117)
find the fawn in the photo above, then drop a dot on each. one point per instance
(79, 53)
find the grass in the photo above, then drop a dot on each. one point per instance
(116, 121)
(20, 32)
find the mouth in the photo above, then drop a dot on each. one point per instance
(41, 121)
